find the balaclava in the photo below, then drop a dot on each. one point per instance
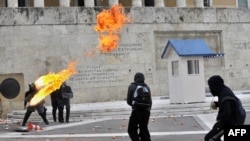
(215, 84)
(139, 77)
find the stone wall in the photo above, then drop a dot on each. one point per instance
(35, 41)
(8, 105)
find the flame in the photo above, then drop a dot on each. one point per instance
(46, 84)
(109, 25)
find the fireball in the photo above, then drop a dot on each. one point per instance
(46, 84)
(109, 25)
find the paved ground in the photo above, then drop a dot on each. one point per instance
(188, 128)
(163, 128)
(168, 128)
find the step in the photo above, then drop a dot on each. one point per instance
(123, 110)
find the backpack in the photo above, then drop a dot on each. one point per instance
(141, 98)
(240, 111)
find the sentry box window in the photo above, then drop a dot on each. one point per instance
(175, 67)
(193, 66)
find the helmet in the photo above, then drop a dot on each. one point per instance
(32, 85)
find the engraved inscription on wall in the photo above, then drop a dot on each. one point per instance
(96, 75)
(104, 75)
(241, 45)
(125, 49)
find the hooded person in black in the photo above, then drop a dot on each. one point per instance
(139, 117)
(29, 109)
(226, 113)
(65, 102)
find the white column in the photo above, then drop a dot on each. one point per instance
(38, 3)
(137, 3)
(113, 2)
(199, 3)
(159, 3)
(89, 3)
(181, 3)
(248, 3)
(211, 3)
(64, 3)
(12, 3)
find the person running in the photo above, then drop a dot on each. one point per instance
(226, 108)
(29, 109)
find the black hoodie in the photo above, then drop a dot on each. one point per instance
(138, 80)
(226, 113)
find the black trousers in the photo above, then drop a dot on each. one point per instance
(66, 104)
(215, 133)
(41, 111)
(55, 103)
(138, 125)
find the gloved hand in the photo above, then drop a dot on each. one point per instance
(213, 106)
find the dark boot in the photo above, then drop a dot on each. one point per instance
(26, 117)
(67, 115)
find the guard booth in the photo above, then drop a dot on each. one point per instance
(186, 69)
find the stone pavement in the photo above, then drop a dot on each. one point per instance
(188, 128)
(106, 129)
(162, 128)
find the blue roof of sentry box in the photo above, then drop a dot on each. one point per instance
(190, 47)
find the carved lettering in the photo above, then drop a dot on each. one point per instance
(125, 49)
(92, 75)
(241, 45)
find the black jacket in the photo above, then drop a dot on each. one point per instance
(227, 112)
(65, 89)
(138, 80)
(29, 95)
(55, 94)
